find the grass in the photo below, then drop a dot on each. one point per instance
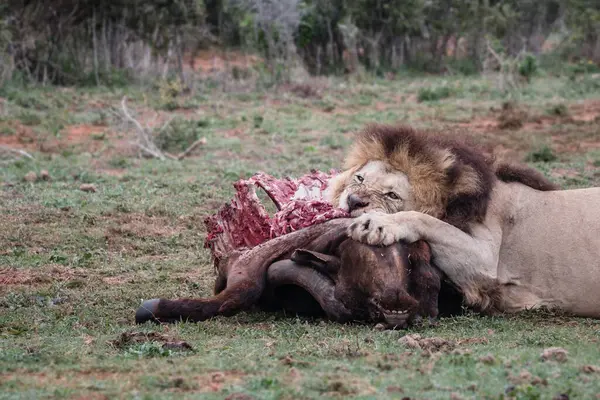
(74, 265)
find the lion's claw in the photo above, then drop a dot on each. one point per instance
(380, 229)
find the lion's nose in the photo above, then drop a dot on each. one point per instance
(355, 202)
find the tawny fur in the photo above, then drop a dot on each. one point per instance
(527, 243)
(449, 179)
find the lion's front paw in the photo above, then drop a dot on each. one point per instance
(380, 229)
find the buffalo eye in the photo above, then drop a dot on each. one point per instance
(359, 178)
(392, 196)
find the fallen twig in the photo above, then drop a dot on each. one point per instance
(187, 151)
(145, 142)
(18, 152)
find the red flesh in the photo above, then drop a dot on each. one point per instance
(244, 222)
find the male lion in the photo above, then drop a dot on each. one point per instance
(504, 235)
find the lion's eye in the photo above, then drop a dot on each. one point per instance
(359, 178)
(392, 196)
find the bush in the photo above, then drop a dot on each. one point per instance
(179, 135)
(528, 67)
(434, 94)
(559, 110)
(463, 66)
(543, 154)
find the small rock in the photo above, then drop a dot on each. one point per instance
(539, 381)
(88, 187)
(45, 175)
(488, 359)
(562, 396)
(379, 327)
(589, 369)
(58, 300)
(178, 345)
(555, 353)
(411, 341)
(218, 377)
(31, 176)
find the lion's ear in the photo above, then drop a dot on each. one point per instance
(446, 160)
(464, 179)
(468, 182)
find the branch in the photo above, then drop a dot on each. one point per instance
(145, 142)
(187, 151)
(22, 153)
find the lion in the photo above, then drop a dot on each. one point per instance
(506, 236)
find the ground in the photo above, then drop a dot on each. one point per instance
(75, 264)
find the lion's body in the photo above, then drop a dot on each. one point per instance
(550, 248)
(502, 234)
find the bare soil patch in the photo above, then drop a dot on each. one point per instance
(213, 60)
(53, 273)
(437, 344)
(141, 225)
(517, 117)
(23, 137)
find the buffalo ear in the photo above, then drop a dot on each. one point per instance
(324, 263)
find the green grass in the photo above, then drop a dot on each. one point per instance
(75, 265)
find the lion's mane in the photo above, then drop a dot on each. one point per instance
(450, 180)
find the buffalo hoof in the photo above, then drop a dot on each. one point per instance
(147, 311)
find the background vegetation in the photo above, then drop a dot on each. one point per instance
(104, 42)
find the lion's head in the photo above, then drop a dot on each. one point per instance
(394, 169)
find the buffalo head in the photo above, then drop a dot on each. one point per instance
(395, 285)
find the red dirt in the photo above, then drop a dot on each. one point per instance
(586, 112)
(589, 111)
(24, 138)
(214, 60)
(82, 133)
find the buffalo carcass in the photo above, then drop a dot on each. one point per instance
(302, 260)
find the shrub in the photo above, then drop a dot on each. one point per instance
(543, 154)
(528, 67)
(559, 110)
(179, 135)
(434, 94)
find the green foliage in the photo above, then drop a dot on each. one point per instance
(543, 154)
(463, 66)
(528, 67)
(583, 67)
(148, 350)
(434, 93)
(559, 110)
(29, 118)
(179, 134)
(57, 43)
(90, 40)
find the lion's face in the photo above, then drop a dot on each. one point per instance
(375, 187)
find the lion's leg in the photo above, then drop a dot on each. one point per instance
(470, 261)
